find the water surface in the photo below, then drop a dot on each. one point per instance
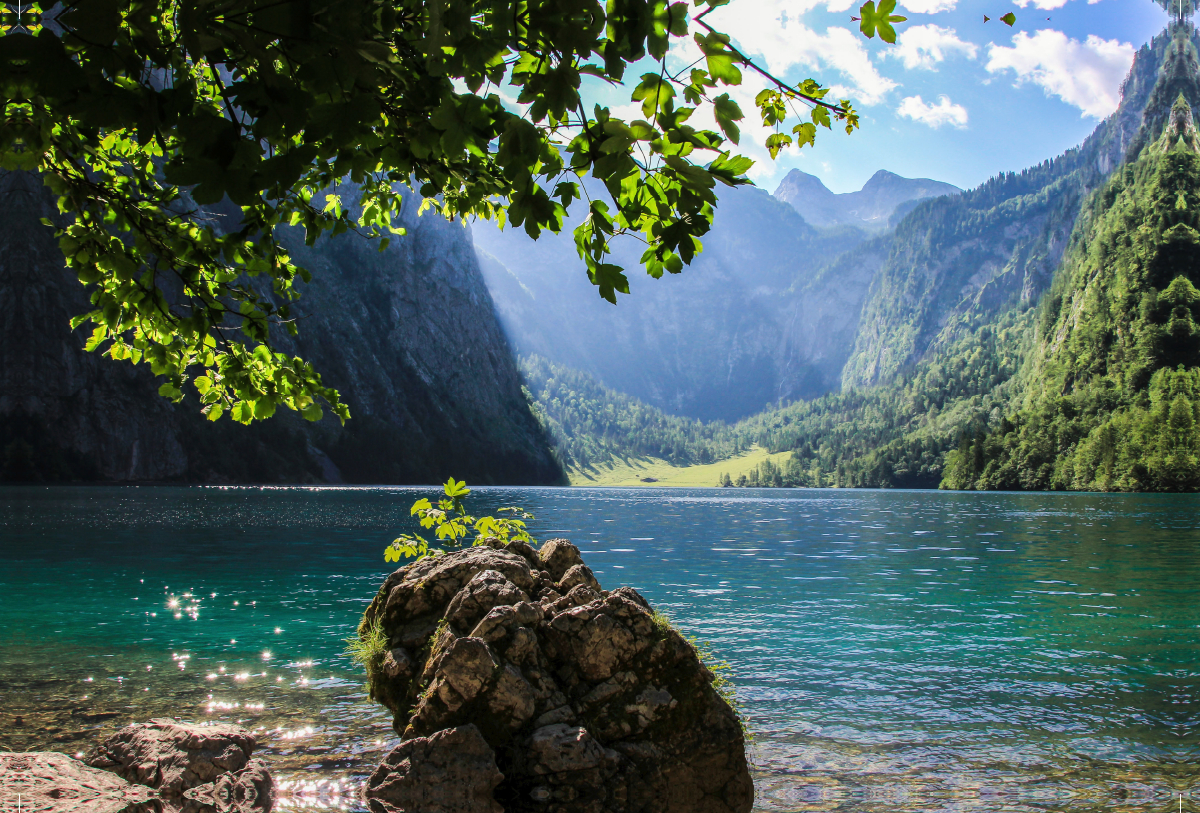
(900, 651)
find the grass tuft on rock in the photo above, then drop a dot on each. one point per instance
(368, 648)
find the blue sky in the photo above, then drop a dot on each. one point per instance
(954, 99)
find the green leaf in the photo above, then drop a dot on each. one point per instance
(776, 142)
(456, 489)
(879, 19)
(719, 60)
(726, 112)
(806, 133)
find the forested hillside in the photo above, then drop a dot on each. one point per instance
(958, 262)
(1113, 394)
(592, 425)
(887, 436)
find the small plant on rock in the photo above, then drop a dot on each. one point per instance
(367, 648)
(452, 525)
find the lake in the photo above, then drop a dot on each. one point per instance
(892, 650)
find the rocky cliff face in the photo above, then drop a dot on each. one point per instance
(821, 317)
(66, 414)
(409, 337)
(871, 207)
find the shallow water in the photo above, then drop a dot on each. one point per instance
(900, 651)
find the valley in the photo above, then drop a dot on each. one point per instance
(1036, 332)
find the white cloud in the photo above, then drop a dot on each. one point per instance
(1046, 4)
(1086, 75)
(929, 6)
(935, 115)
(770, 30)
(923, 46)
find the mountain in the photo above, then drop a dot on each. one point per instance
(1039, 332)
(409, 336)
(872, 207)
(592, 424)
(959, 261)
(712, 343)
(1076, 372)
(1112, 394)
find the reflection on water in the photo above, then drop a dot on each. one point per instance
(893, 651)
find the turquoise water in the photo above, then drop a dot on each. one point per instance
(892, 650)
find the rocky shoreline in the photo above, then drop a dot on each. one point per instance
(162, 766)
(517, 684)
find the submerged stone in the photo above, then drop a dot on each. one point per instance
(194, 768)
(173, 756)
(48, 782)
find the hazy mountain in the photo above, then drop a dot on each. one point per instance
(715, 342)
(872, 207)
(409, 337)
(1040, 331)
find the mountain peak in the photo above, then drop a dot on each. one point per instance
(869, 208)
(798, 184)
(881, 177)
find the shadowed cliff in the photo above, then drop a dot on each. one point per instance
(409, 336)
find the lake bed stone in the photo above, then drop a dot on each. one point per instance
(172, 756)
(49, 782)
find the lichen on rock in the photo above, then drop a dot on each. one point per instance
(574, 696)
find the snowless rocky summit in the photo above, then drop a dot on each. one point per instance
(518, 685)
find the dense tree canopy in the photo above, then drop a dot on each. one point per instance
(179, 135)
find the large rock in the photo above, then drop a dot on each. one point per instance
(55, 783)
(173, 757)
(501, 659)
(453, 771)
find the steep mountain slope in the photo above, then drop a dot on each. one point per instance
(711, 343)
(870, 208)
(820, 317)
(959, 261)
(409, 336)
(1096, 388)
(1112, 397)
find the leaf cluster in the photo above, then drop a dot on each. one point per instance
(452, 524)
(180, 136)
